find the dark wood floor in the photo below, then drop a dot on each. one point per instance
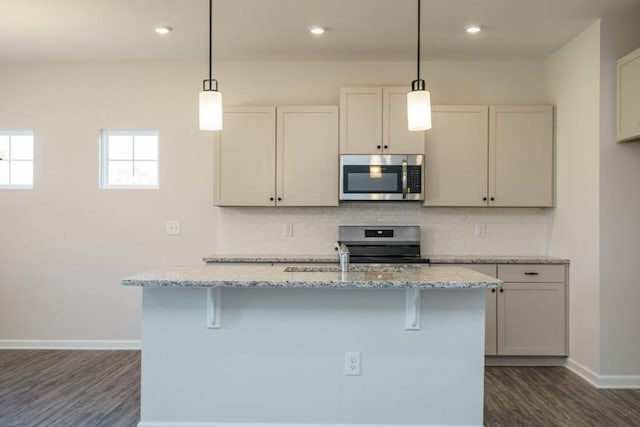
(101, 388)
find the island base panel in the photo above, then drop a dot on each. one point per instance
(278, 358)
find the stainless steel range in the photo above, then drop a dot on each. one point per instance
(397, 244)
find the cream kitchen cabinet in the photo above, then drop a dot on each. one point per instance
(531, 310)
(629, 97)
(521, 156)
(490, 156)
(373, 120)
(528, 316)
(284, 156)
(456, 156)
(244, 157)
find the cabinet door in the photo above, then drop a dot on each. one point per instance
(307, 156)
(245, 157)
(521, 156)
(396, 136)
(361, 120)
(531, 319)
(456, 156)
(629, 97)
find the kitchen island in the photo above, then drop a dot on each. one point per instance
(250, 344)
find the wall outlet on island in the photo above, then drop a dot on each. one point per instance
(352, 363)
(481, 230)
(287, 230)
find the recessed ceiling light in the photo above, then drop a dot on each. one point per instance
(473, 29)
(315, 30)
(164, 29)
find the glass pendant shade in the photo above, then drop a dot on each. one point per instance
(210, 110)
(419, 110)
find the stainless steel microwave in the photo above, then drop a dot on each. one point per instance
(381, 177)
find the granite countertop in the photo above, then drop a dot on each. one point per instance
(260, 275)
(435, 259)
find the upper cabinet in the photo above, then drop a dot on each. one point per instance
(284, 156)
(245, 157)
(396, 136)
(373, 120)
(629, 97)
(307, 165)
(521, 156)
(490, 156)
(456, 156)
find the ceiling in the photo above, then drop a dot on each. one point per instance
(266, 30)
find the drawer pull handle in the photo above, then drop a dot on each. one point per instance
(530, 273)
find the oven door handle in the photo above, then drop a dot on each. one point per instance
(404, 179)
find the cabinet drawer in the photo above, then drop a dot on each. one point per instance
(531, 273)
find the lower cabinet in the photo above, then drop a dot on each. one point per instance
(528, 316)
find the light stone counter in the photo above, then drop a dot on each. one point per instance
(435, 259)
(260, 275)
(495, 259)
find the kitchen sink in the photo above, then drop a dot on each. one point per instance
(352, 268)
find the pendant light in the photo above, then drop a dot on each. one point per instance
(419, 99)
(210, 98)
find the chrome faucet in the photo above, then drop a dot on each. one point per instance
(343, 253)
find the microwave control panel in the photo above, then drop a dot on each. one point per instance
(414, 179)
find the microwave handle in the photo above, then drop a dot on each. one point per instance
(404, 179)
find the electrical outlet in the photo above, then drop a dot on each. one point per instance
(287, 230)
(481, 230)
(352, 363)
(173, 228)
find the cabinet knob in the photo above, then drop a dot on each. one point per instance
(271, 198)
(493, 290)
(378, 147)
(492, 199)
(501, 290)
(484, 198)
(279, 199)
(386, 146)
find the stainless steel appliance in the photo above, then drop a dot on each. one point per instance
(381, 177)
(397, 244)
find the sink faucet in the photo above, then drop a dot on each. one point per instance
(343, 253)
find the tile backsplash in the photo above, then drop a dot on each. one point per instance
(509, 231)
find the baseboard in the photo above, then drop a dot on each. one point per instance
(202, 424)
(70, 344)
(603, 381)
(525, 361)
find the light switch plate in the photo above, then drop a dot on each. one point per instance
(173, 228)
(481, 230)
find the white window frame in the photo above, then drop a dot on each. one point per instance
(104, 158)
(12, 132)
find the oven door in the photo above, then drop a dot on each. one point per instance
(390, 177)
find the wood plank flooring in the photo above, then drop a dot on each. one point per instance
(41, 388)
(69, 388)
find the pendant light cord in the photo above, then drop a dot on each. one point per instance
(210, 83)
(210, 39)
(419, 1)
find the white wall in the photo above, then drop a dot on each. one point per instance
(65, 244)
(619, 214)
(595, 223)
(573, 78)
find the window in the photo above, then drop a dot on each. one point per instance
(128, 159)
(16, 159)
